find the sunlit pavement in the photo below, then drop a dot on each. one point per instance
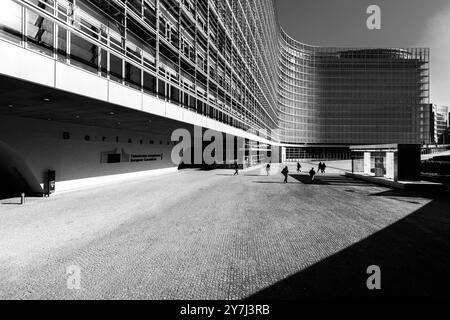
(212, 235)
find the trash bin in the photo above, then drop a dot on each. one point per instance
(51, 179)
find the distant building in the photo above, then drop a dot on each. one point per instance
(442, 124)
(433, 124)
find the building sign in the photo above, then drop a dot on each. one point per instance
(117, 156)
(146, 157)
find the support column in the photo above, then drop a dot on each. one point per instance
(283, 154)
(230, 155)
(367, 163)
(275, 154)
(390, 165)
(240, 148)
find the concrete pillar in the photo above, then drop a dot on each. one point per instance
(258, 154)
(367, 163)
(390, 165)
(197, 145)
(253, 153)
(230, 155)
(276, 156)
(240, 148)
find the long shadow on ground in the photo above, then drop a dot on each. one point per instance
(413, 254)
(329, 180)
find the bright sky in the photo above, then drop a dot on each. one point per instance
(405, 23)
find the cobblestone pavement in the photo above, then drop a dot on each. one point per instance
(210, 235)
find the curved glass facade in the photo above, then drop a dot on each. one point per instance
(352, 96)
(231, 61)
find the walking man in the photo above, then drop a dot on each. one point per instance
(312, 174)
(285, 173)
(299, 167)
(236, 169)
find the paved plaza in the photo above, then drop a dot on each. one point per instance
(212, 235)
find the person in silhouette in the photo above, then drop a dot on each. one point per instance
(319, 167)
(324, 166)
(312, 174)
(236, 168)
(268, 169)
(299, 167)
(285, 173)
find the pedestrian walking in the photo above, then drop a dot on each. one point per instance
(312, 174)
(299, 167)
(319, 167)
(236, 169)
(268, 169)
(324, 166)
(285, 173)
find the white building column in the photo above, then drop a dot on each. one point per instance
(390, 165)
(367, 163)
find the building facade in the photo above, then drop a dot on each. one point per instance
(434, 137)
(442, 124)
(330, 98)
(122, 74)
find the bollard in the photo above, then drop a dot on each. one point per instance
(22, 198)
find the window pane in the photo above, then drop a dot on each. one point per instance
(174, 94)
(149, 83)
(132, 75)
(115, 64)
(135, 5)
(161, 88)
(11, 21)
(104, 62)
(62, 43)
(40, 33)
(83, 53)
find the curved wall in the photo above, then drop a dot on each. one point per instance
(352, 96)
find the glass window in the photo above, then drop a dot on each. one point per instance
(135, 5)
(46, 5)
(62, 34)
(149, 57)
(11, 21)
(83, 53)
(40, 32)
(174, 94)
(161, 88)
(150, 15)
(115, 67)
(104, 62)
(149, 83)
(62, 43)
(132, 75)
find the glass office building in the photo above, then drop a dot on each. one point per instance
(353, 96)
(230, 61)
(221, 64)
(217, 58)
